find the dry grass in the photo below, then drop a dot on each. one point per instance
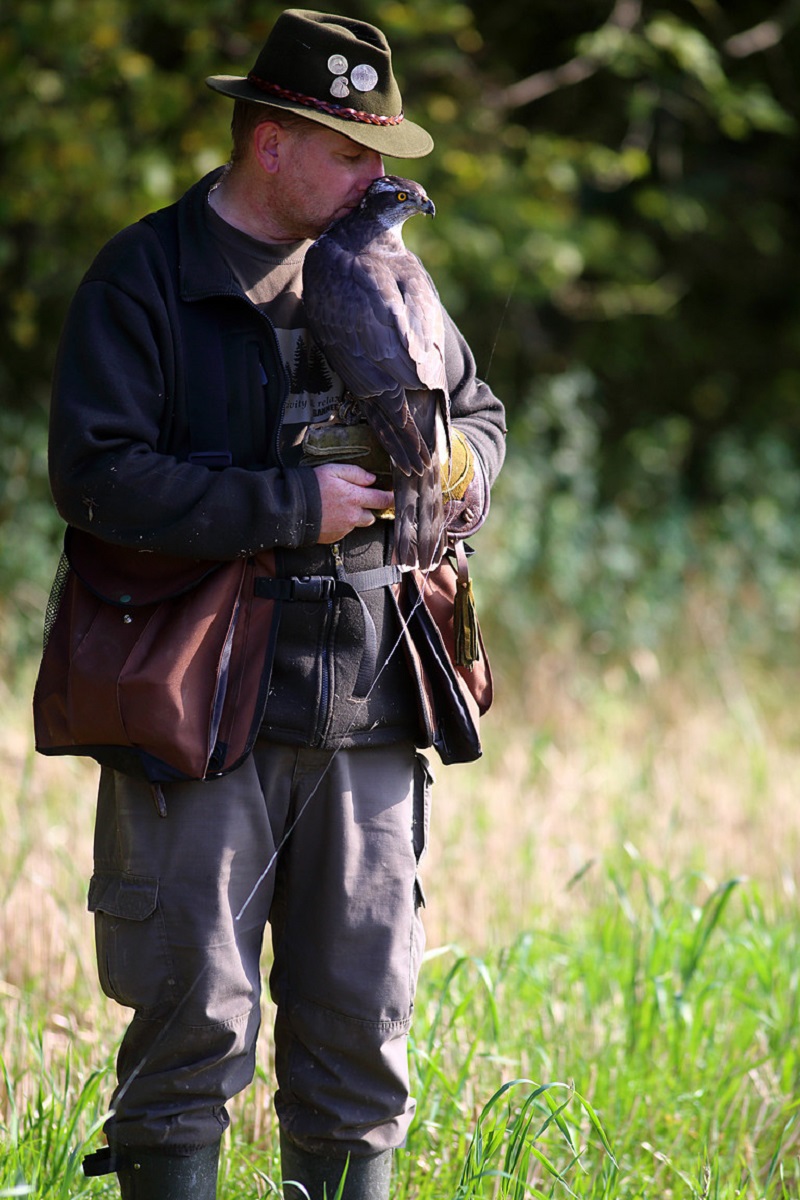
(697, 765)
(696, 762)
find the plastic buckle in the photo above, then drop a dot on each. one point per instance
(313, 587)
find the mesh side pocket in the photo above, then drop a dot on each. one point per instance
(54, 599)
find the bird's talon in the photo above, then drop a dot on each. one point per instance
(350, 410)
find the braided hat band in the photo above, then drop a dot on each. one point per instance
(335, 110)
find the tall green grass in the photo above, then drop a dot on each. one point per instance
(609, 1002)
(649, 1051)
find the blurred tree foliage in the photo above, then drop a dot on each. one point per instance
(617, 189)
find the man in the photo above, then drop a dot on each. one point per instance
(321, 829)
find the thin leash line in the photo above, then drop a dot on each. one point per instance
(160, 1036)
(404, 623)
(165, 1028)
(500, 325)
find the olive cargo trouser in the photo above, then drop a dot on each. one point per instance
(323, 846)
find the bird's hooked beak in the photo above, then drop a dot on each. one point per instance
(428, 208)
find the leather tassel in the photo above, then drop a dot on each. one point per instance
(465, 619)
(465, 626)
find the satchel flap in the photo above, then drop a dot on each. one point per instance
(131, 578)
(132, 897)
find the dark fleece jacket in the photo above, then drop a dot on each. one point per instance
(120, 469)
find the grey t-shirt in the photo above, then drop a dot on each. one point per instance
(271, 276)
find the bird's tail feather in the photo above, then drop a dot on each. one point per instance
(419, 517)
(401, 439)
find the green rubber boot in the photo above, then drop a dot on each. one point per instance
(317, 1176)
(146, 1174)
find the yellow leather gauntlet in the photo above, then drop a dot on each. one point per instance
(459, 470)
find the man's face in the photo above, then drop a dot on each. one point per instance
(322, 176)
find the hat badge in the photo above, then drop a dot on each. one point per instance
(363, 77)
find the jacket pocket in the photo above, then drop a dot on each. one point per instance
(133, 959)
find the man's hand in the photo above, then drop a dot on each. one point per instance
(348, 500)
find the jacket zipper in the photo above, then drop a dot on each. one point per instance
(326, 658)
(323, 713)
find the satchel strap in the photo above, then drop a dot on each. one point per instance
(313, 588)
(104, 1161)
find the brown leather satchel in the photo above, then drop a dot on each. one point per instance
(154, 665)
(159, 666)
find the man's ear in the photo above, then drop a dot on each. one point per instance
(267, 138)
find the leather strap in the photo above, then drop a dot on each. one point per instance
(104, 1161)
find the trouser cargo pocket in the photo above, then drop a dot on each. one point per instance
(134, 964)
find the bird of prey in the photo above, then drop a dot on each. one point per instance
(375, 314)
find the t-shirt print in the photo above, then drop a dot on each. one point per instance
(314, 389)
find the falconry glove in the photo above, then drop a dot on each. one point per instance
(458, 470)
(329, 441)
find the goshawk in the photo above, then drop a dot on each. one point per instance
(374, 312)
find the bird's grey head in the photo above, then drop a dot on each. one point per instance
(392, 200)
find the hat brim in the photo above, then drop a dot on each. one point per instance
(405, 140)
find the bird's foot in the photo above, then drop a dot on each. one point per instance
(350, 410)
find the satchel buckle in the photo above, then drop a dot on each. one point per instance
(313, 587)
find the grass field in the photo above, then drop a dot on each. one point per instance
(609, 1007)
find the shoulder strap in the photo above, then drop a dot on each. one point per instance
(203, 362)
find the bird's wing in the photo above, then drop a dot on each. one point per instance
(378, 320)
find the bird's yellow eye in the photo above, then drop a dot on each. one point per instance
(402, 197)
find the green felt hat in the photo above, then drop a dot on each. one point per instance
(337, 72)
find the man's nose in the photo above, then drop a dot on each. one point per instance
(373, 169)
